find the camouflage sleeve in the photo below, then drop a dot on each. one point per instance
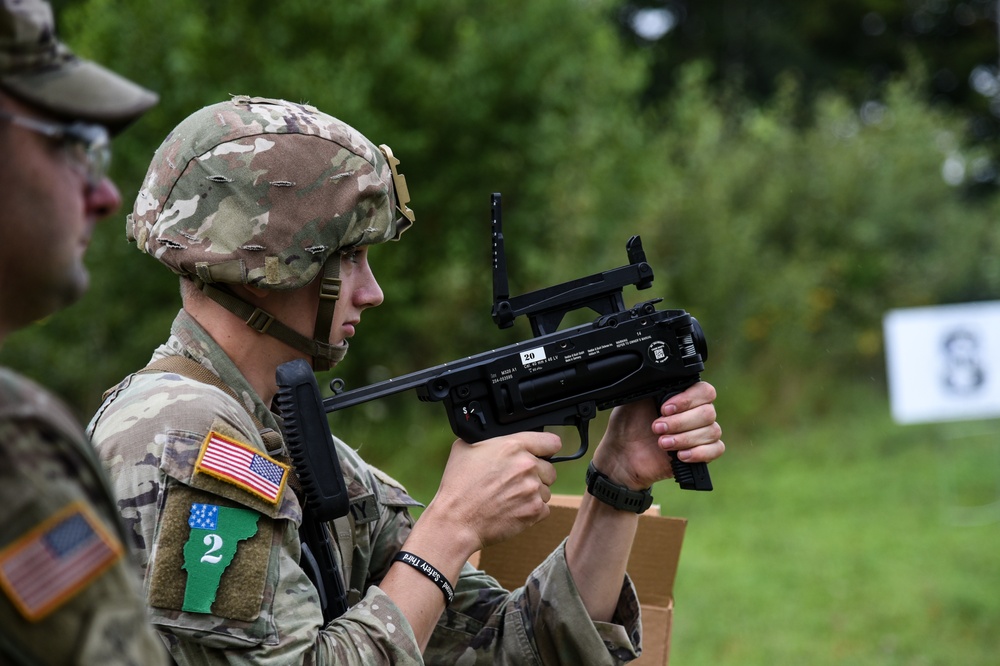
(220, 554)
(69, 592)
(542, 622)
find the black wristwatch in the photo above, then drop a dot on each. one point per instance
(618, 496)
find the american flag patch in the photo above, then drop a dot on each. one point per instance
(241, 465)
(55, 560)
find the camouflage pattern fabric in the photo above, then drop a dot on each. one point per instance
(151, 432)
(262, 191)
(70, 592)
(41, 70)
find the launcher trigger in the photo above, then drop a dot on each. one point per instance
(585, 414)
(582, 427)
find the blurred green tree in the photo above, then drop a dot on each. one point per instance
(532, 98)
(787, 234)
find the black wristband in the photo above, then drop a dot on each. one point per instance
(618, 496)
(429, 571)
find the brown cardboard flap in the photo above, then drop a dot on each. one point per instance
(655, 555)
(652, 564)
(656, 625)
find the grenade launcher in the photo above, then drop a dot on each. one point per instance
(561, 377)
(555, 378)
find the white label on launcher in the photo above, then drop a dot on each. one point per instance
(533, 355)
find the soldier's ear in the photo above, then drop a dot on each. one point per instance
(257, 291)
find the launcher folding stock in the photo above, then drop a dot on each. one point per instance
(562, 377)
(317, 469)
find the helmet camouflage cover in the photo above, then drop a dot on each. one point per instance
(262, 192)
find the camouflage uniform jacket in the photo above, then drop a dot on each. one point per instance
(69, 592)
(155, 433)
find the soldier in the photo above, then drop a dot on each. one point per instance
(267, 210)
(69, 591)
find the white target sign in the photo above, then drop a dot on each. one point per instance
(943, 362)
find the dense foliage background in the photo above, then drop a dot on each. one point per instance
(795, 170)
(787, 207)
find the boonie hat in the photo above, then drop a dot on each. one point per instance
(39, 69)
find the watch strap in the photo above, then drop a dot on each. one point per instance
(616, 495)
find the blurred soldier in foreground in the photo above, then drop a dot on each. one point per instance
(69, 590)
(267, 210)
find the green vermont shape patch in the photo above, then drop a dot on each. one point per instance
(216, 531)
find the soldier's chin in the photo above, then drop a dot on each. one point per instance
(74, 287)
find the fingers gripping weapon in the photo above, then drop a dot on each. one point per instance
(555, 378)
(562, 377)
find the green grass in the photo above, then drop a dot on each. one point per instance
(855, 541)
(850, 541)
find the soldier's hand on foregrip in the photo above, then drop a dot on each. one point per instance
(690, 476)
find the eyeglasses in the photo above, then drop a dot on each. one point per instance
(88, 145)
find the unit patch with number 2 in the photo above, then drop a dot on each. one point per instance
(212, 556)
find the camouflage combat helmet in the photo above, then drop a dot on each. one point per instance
(268, 193)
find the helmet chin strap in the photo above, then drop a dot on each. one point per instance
(329, 292)
(324, 355)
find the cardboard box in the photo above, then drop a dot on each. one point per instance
(652, 566)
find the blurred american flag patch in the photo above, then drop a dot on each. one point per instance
(56, 559)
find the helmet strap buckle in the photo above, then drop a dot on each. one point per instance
(259, 320)
(329, 288)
